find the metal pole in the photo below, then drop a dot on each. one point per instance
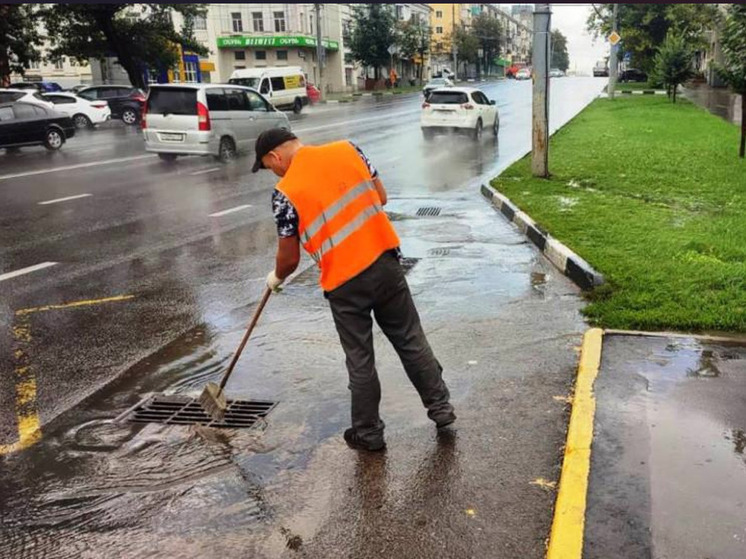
(613, 64)
(454, 48)
(540, 120)
(319, 51)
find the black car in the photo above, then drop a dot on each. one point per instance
(125, 102)
(633, 75)
(24, 124)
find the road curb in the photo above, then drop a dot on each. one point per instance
(568, 525)
(569, 263)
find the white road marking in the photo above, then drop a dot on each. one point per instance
(204, 171)
(28, 270)
(230, 210)
(355, 121)
(72, 167)
(58, 200)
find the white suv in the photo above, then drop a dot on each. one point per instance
(459, 108)
(206, 119)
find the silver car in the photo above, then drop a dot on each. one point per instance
(206, 119)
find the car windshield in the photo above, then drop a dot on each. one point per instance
(173, 101)
(438, 81)
(9, 96)
(447, 98)
(247, 82)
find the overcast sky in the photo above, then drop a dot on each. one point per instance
(584, 52)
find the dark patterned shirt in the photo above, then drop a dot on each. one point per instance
(285, 215)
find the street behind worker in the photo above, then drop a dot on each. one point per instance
(330, 199)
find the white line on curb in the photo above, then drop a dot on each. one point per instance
(204, 171)
(58, 200)
(230, 210)
(72, 167)
(28, 270)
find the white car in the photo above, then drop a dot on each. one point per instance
(523, 74)
(461, 109)
(85, 114)
(436, 83)
(30, 96)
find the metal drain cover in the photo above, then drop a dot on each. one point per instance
(183, 410)
(440, 251)
(430, 211)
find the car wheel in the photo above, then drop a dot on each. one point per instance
(53, 139)
(496, 126)
(81, 122)
(477, 132)
(297, 106)
(227, 150)
(129, 117)
(167, 157)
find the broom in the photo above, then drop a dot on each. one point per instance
(212, 398)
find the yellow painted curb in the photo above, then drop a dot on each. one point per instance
(566, 537)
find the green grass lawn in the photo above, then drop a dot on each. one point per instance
(653, 195)
(635, 86)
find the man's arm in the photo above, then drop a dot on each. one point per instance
(288, 256)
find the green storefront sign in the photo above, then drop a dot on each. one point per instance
(292, 41)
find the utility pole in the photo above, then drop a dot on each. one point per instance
(540, 119)
(319, 51)
(613, 64)
(454, 48)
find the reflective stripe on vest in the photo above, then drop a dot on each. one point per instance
(346, 231)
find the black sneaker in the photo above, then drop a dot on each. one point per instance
(353, 440)
(445, 420)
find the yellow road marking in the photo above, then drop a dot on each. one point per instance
(566, 538)
(86, 303)
(29, 424)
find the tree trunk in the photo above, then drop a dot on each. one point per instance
(675, 86)
(4, 67)
(743, 125)
(106, 24)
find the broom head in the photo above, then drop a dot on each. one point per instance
(213, 401)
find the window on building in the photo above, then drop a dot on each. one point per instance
(237, 22)
(279, 21)
(260, 54)
(310, 23)
(257, 19)
(282, 55)
(439, 46)
(34, 65)
(399, 12)
(200, 23)
(239, 55)
(190, 71)
(59, 63)
(439, 30)
(439, 14)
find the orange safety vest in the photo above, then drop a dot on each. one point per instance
(342, 224)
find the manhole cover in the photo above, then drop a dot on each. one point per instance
(183, 410)
(408, 263)
(430, 211)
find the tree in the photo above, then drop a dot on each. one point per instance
(19, 37)
(673, 63)
(413, 40)
(373, 32)
(560, 57)
(488, 32)
(467, 45)
(644, 27)
(140, 36)
(733, 70)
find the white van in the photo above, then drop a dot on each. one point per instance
(206, 119)
(285, 86)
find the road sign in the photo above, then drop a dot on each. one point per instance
(393, 49)
(614, 38)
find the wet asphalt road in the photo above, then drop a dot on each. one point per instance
(502, 322)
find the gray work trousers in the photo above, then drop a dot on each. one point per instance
(383, 289)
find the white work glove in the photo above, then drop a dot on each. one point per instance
(273, 282)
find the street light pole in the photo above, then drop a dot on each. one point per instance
(613, 63)
(319, 51)
(540, 119)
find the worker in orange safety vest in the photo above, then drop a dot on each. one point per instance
(330, 200)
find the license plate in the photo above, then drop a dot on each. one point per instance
(172, 137)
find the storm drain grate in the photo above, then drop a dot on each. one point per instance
(440, 251)
(408, 263)
(183, 410)
(430, 211)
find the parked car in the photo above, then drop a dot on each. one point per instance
(633, 75)
(77, 88)
(523, 74)
(126, 102)
(313, 92)
(460, 109)
(284, 86)
(24, 124)
(41, 87)
(85, 114)
(436, 83)
(30, 96)
(206, 119)
(601, 70)
(556, 73)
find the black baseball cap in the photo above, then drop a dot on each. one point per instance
(269, 140)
